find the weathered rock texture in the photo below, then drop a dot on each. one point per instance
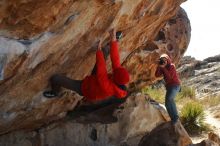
(214, 137)
(166, 135)
(204, 75)
(43, 37)
(172, 39)
(137, 117)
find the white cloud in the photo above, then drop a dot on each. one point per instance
(204, 16)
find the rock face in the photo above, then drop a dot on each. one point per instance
(203, 75)
(166, 135)
(41, 37)
(214, 137)
(171, 39)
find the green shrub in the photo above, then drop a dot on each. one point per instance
(187, 92)
(192, 117)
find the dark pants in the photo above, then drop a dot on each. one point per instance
(58, 81)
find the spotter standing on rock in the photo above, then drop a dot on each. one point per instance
(99, 85)
(168, 71)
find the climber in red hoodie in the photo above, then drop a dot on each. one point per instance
(168, 71)
(99, 85)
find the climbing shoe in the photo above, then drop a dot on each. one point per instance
(50, 94)
(119, 35)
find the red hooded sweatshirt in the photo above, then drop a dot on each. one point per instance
(169, 72)
(101, 86)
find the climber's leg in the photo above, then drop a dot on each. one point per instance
(57, 81)
(106, 50)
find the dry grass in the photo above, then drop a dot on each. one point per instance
(217, 113)
(210, 101)
(154, 93)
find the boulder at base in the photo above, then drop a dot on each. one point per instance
(166, 135)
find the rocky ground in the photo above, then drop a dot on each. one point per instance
(204, 77)
(212, 119)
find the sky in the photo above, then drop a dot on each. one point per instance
(204, 17)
